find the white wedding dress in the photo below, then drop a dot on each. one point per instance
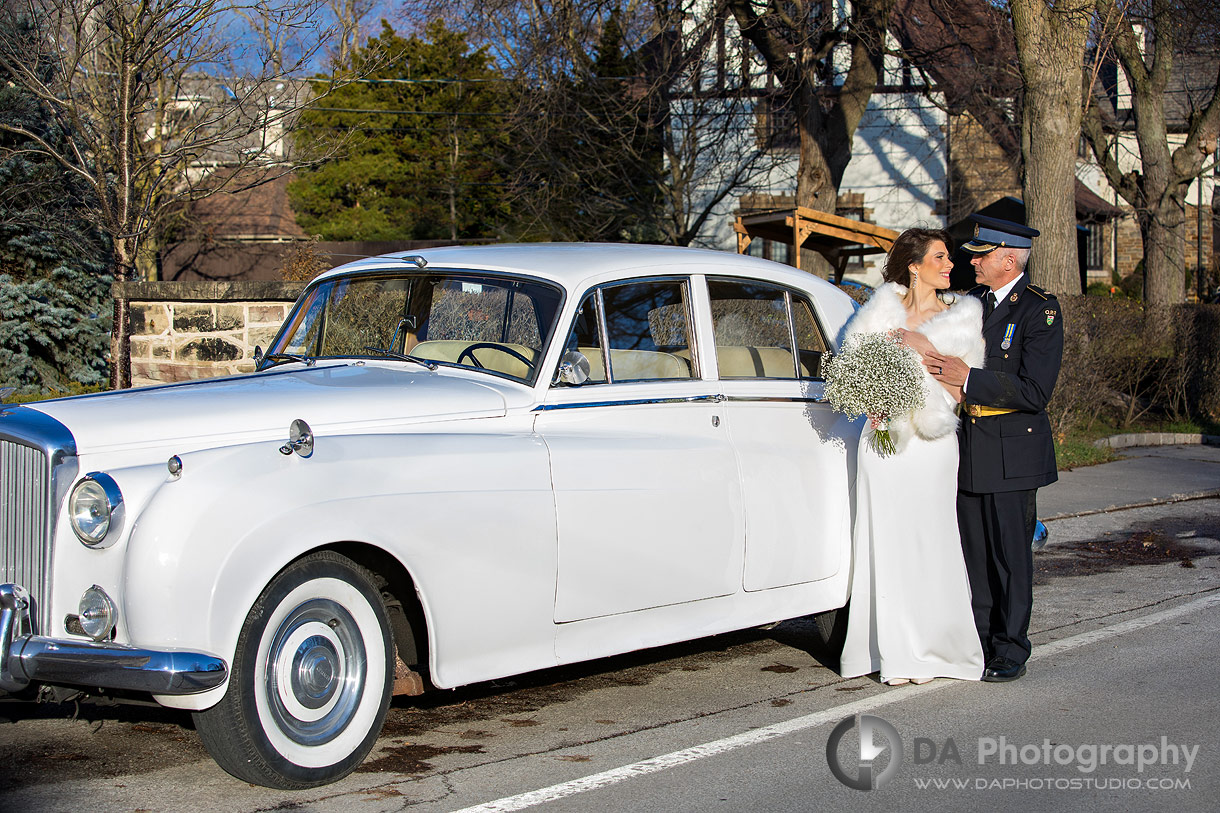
(910, 614)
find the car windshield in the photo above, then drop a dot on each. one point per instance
(497, 324)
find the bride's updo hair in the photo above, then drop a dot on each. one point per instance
(909, 249)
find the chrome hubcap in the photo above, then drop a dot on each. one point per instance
(315, 672)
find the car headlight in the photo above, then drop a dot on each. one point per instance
(97, 613)
(95, 508)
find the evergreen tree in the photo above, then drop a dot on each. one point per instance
(54, 289)
(425, 137)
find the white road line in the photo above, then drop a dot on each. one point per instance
(832, 715)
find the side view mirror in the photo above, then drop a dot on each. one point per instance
(573, 369)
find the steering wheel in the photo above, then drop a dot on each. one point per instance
(469, 351)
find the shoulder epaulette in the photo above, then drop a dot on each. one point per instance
(1034, 289)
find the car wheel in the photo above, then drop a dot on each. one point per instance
(832, 633)
(310, 683)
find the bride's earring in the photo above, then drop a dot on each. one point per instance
(914, 278)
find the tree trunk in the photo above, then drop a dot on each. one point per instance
(826, 116)
(815, 188)
(120, 330)
(1050, 49)
(815, 179)
(1157, 189)
(120, 346)
(1163, 230)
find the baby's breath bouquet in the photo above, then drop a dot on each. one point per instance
(875, 375)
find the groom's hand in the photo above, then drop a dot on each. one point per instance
(947, 369)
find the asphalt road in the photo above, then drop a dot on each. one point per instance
(1036, 746)
(1125, 627)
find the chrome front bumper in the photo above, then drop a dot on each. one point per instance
(26, 658)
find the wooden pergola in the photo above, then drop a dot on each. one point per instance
(836, 238)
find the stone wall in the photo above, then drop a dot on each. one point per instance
(188, 330)
(1131, 246)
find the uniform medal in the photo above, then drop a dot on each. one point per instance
(1007, 343)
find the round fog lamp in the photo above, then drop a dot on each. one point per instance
(94, 507)
(97, 613)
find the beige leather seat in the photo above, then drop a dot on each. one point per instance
(494, 360)
(740, 361)
(635, 365)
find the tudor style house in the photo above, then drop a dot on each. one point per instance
(941, 139)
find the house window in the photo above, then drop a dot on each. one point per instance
(769, 250)
(776, 126)
(1096, 247)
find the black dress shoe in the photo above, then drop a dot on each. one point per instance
(1002, 670)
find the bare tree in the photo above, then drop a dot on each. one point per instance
(685, 99)
(160, 103)
(1050, 50)
(827, 64)
(1149, 38)
(350, 16)
(710, 93)
(968, 54)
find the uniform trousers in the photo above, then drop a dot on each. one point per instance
(997, 530)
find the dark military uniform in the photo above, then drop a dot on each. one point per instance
(1007, 453)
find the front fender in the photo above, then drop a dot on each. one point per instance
(444, 505)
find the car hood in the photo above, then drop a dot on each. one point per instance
(332, 399)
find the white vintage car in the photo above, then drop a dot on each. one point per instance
(450, 467)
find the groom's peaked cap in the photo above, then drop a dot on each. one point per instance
(991, 233)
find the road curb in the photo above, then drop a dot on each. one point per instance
(1157, 439)
(1198, 495)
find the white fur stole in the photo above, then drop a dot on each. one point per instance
(957, 331)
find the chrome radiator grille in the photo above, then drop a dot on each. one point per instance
(24, 515)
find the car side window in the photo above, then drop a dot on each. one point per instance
(757, 325)
(647, 330)
(646, 327)
(585, 338)
(811, 344)
(752, 328)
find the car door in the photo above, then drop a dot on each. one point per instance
(789, 443)
(646, 488)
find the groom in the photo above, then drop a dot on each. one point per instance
(1006, 450)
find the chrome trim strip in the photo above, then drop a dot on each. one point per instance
(776, 399)
(28, 658)
(37, 430)
(603, 336)
(796, 348)
(690, 399)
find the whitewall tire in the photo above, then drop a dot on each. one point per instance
(310, 683)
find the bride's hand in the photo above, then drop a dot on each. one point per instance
(917, 342)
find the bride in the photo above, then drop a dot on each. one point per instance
(910, 615)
